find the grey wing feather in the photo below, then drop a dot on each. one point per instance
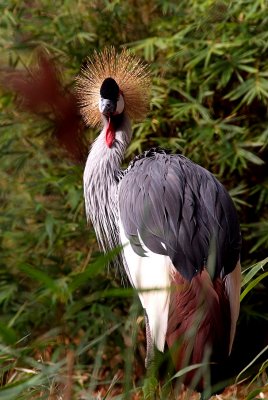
(179, 209)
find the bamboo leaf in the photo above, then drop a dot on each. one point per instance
(250, 272)
(252, 284)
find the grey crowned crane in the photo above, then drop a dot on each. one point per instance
(177, 223)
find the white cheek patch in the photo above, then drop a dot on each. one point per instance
(120, 105)
(101, 105)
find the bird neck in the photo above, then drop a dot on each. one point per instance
(105, 157)
(100, 183)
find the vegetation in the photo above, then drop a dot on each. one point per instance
(68, 328)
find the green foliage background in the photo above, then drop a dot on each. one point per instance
(59, 306)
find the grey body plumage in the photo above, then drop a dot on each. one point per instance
(177, 208)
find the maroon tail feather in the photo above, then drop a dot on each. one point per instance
(199, 321)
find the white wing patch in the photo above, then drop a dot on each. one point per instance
(150, 275)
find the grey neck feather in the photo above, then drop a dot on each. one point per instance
(101, 187)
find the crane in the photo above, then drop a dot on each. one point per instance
(176, 222)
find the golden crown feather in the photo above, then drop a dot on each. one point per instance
(131, 75)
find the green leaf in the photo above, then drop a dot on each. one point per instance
(7, 334)
(93, 269)
(252, 284)
(248, 155)
(264, 350)
(250, 272)
(49, 224)
(187, 369)
(38, 276)
(254, 393)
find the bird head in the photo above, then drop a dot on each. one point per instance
(112, 84)
(111, 100)
(111, 104)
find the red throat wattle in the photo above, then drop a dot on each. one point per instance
(110, 134)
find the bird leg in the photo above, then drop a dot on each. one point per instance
(149, 342)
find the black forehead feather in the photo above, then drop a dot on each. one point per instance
(109, 89)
